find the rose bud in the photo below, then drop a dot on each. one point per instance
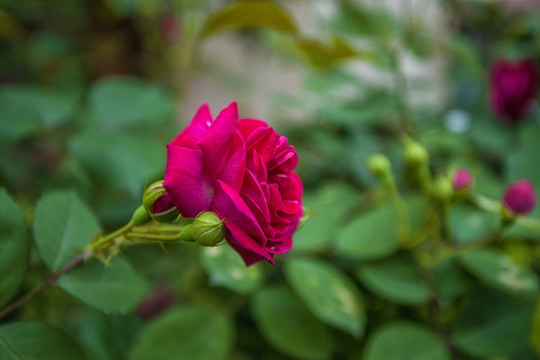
(379, 165)
(461, 180)
(158, 203)
(158, 301)
(442, 188)
(207, 229)
(513, 87)
(520, 197)
(415, 153)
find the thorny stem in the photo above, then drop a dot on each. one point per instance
(100, 244)
(52, 280)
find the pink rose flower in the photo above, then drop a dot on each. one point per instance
(243, 171)
(513, 87)
(520, 197)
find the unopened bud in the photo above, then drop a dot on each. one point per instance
(442, 188)
(159, 204)
(140, 216)
(461, 180)
(520, 197)
(186, 234)
(208, 229)
(379, 165)
(415, 153)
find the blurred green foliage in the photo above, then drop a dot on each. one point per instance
(88, 95)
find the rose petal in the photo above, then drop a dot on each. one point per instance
(232, 208)
(217, 140)
(264, 141)
(196, 129)
(250, 251)
(184, 181)
(247, 126)
(234, 167)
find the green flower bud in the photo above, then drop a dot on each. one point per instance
(186, 234)
(415, 153)
(159, 204)
(379, 165)
(140, 216)
(442, 188)
(207, 229)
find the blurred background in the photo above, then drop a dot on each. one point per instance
(92, 90)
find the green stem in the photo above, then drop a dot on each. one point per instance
(105, 241)
(139, 235)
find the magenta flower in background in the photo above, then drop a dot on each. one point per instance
(520, 197)
(462, 179)
(243, 171)
(513, 87)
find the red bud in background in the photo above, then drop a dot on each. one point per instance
(520, 197)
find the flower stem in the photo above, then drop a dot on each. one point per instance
(159, 237)
(52, 280)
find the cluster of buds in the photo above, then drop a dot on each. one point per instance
(519, 197)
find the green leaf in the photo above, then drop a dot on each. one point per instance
(289, 326)
(451, 281)
(328, 293)
(107, 337)
(469, 224)
(374, 234)
(192, 332)
(13, 247)
(501, 272)
(17, 120)
(364, 21)
(115, 288)
(493, 324)
(53, 106)
(520, 164)
(255, 13)
(321, 55)
(397, 279)
(123, 161)
(35, 341)
(123, 101)
(63, 227)
(226, 268)
(331, 202)
(405, 341)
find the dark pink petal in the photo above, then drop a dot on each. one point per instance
(217, 140)
(283, 244)
(264, 141)
(285, 158)
(190, 192)
(196, 129)
(229, 204)
(163, 204)
(290, 185)
(233, 168)
(252, 189)
(249, 249)
(247, 126)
